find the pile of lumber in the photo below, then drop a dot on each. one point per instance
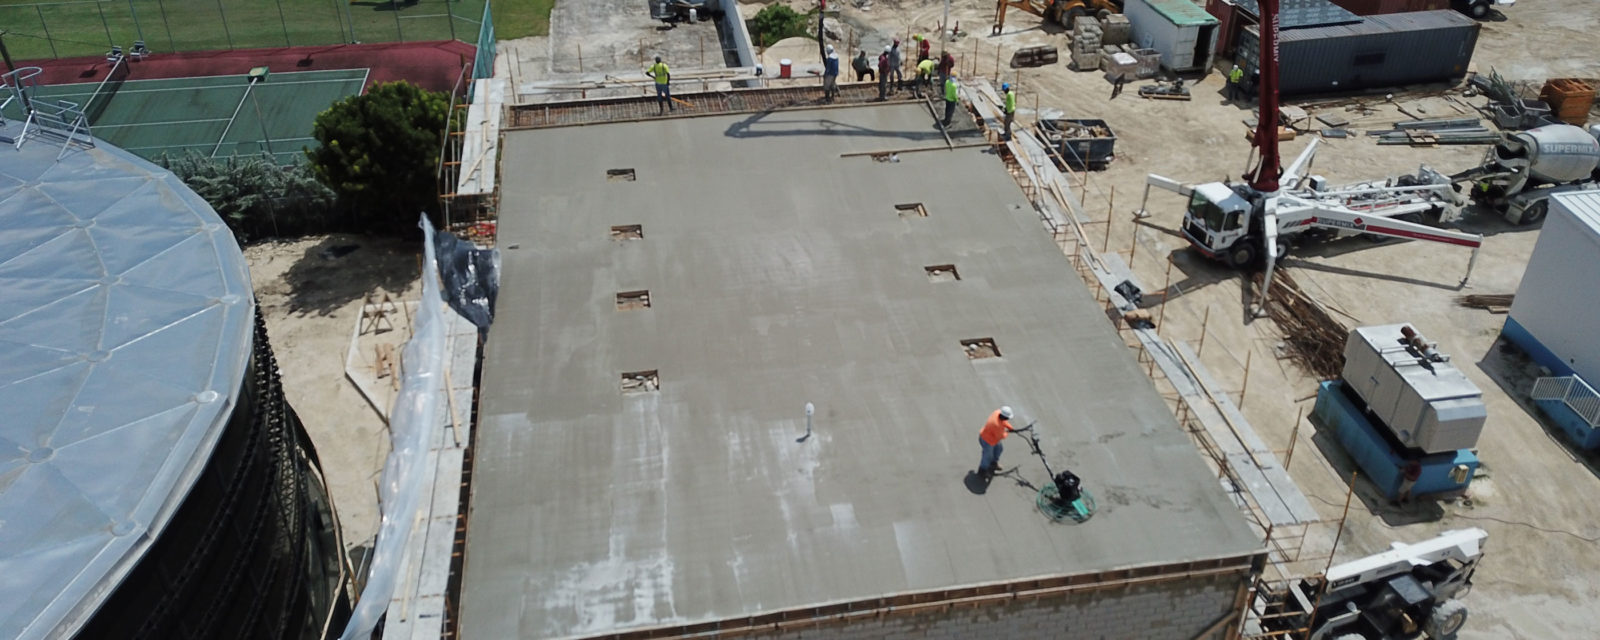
(1491, 302)
(1312, 337)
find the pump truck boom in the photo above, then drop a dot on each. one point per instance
(1249, 225)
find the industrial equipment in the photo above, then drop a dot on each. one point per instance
(671, 11)
(1522, 171)
(1063, 497)
(1242, 224)
(1403, 411)
(1061, 12)
(1410, 591)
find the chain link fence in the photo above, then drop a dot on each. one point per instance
(48, 30)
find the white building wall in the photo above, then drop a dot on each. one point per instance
(1556, 300)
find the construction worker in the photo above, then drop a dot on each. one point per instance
(924, 49)
(1116, 84)
(924, 82)
(1010, 106)
(662, 76)
(947, 66)
(897, 78)
(862, 66)
(1235, 75)
(883, 74)
(995, 430)
(949, 99)
(830, 75)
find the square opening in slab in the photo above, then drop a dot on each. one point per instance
(912, 210)
(640, 381)
(619, 175)
(980, 348)
(627, 232)
(942, 273)
(630, 300)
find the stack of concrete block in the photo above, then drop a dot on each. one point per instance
(1086, 45)
(1116, 29)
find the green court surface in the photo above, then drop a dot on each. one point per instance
(216, 115)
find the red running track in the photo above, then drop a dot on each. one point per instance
(431, 65)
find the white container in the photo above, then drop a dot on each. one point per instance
(1184, 33)
(1555, 304)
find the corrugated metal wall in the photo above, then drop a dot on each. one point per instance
(1381, 7)
(1381, 51)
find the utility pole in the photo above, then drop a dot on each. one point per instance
(942, 26)
(822, 20)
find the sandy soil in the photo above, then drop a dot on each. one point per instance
(310, 292)
(1541, 565)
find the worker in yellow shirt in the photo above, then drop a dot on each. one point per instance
(924, 79)
(950, 98)
(662, 76)
(1010, 106)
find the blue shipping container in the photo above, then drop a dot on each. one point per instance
(1380, 51)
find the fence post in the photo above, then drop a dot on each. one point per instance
(452, 14)
(171, 44)
(348, 20)
(225, 31)
(47, 37)
(399, 31)
(134, 13)
(283, 22)
(103, 24)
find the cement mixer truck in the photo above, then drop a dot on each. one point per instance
(1525, 168)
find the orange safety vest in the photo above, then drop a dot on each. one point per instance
(995, 429)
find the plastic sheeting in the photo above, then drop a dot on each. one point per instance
(125, 330)
(411, 421)
(471, 277)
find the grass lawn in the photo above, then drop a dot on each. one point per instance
(522, 18)
(57, 29)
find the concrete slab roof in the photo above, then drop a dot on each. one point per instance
(780, 273)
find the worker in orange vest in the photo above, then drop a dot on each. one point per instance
(995, 430)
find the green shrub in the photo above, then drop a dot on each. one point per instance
(776, 22)
(256, 197)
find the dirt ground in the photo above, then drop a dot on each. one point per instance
(310, 292)
(1541, 567)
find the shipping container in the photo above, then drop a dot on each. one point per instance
(1380, 51)
(1229, 23)
(1383, 7)
(1552, 318)
(1183, 32)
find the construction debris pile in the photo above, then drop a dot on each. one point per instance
(1311, 336)
(1491, 302)
(1437, 131)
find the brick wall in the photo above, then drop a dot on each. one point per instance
(1175, 609)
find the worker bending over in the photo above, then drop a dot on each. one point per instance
(662, 76)
(862, 66)
(995, 430)
(924, 82)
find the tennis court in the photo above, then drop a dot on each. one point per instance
(214, 115)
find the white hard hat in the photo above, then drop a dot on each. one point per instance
(887, 48)
(830, 48)
(1005, 412)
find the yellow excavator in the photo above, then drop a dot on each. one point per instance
(1061, 12)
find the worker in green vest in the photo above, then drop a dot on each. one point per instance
(662, 76)
(1235, 75)
(1011, 106)
(949, 99)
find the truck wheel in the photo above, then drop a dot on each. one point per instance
(1535, 213)
(1243, 254)
(1072, 16)
(1480, 9)
(1446, 619)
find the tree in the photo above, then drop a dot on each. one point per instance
(255, 196)
(380, 153)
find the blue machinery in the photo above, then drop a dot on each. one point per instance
(1401, 404)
